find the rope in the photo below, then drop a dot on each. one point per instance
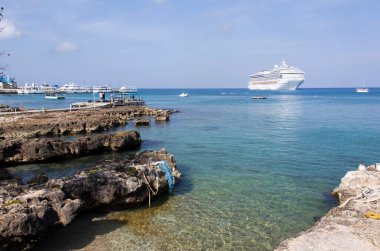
(372, 215)
(367, 195)
(149, 188)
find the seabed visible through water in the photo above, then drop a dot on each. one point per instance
(254, 173)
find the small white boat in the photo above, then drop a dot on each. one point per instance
(54, 96)
(362, 89)
(128, 89)
(184, 94)
(105, 89)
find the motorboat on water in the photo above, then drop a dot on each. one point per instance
(184, 94)
(54, 96)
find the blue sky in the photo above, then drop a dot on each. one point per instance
(190, 43)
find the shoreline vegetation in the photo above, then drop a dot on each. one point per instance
(354, 224)
(29, 211)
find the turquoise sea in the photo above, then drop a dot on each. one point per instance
(255, 172)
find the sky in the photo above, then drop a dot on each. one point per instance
(190, 43)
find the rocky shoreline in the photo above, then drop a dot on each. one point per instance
(348, 226)
(34, 137)
(39, 124)
(24, 150)
(28, 212)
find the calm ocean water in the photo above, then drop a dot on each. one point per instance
(254, 171)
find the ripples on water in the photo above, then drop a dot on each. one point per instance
(255, 171)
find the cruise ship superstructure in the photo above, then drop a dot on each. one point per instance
(281, 77)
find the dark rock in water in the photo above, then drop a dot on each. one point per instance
(162, 116)
(38, 179)
(26, 216)
(21, 151)
(5, 175)
(316, 218)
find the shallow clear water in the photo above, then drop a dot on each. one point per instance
(254, 171)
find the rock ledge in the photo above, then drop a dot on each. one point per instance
(28, 212)
(345, 227)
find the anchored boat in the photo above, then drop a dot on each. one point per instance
(362, 89)
(127, 96)
(281, 77)
(54, 96)
(259, 97)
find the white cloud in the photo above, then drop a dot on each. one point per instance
(8, 30)
(67, 46)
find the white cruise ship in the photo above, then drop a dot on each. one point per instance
(74, 88)
(281, 77)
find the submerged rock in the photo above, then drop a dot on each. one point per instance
(38, 179)
(28, 215)
(162, 116)
(346, 227)
(5, 175)
(142, 122)
(21, 151)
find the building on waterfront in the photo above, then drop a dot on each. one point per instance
(7, 82)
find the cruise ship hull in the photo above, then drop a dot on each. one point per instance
(279, 85)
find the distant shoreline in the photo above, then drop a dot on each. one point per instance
(14, 91)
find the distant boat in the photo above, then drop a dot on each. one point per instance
(97, 89)
(281, 77)
(74, 88)
(259, 97)
(128, 89)
(29, 89)
(54, 96)
(184, 94)
(362, 89)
